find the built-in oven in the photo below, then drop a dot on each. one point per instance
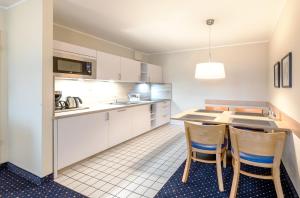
(71, 65)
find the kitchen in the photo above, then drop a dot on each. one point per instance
(112, 103)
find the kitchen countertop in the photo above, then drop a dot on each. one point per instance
(101, 108)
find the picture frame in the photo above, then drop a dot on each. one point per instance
(277, 75)
(286, 71)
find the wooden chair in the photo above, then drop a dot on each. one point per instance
(208, 139)
(249, 110)
(256, 149)
(216, 108)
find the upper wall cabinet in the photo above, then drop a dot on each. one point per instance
(130, 70)
(108, 66)
(67, 47)
(151, 73)
(112, 67)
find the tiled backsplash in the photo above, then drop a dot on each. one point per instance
(92, 91)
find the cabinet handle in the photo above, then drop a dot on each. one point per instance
(107, 116)
(120, 76)
(122, 110)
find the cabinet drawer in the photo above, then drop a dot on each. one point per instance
(164, 104)
(163, 108)
(162, 119)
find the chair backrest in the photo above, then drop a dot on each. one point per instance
(257, 143)
(249, 110)
(205, 134)
(217, 108)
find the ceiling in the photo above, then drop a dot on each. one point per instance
(169, 25)
(7, 3)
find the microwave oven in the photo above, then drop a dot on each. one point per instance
(69, 65)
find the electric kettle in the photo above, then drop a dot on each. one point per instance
(73, 102)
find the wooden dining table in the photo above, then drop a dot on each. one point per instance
(232, 118)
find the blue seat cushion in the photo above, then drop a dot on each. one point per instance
(209, 147)
(256, 158)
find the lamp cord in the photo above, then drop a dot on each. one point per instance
(209, 49)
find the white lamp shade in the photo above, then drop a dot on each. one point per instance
(210, 70)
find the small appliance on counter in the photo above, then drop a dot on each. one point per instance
(58, 104)
(71, 103)
(134, 97)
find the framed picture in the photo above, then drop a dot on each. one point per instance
(277, 75)
(286, 71)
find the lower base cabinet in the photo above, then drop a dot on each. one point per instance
(141, 120)
(80, 137)
(125, 124)
(162, 113)
(120, 126)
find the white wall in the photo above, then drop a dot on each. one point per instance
(29, 61)
(3, 94)
(285, 39)
(246, 75)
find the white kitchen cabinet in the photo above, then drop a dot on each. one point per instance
(155, 73)
(151, 73)
(141, 119)
(120, 126)
(130, 70)
(108, 66)
(162, 113)
(80, 137)
(70, 48)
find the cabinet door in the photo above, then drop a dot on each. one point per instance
(130, 70)
(141, 119)
(108, 66)
(81, 137)
(67, 47)
(154, 73)
(120, 126)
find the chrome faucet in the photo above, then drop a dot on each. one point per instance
(115, 99)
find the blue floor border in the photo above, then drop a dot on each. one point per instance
(15, 185)
(26, 175)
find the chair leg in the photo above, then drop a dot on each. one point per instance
(186, 168)
(194, 155)
(236, 177)
(277, 182)
(219, 172)
(225, 159)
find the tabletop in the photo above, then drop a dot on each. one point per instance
(239, 119)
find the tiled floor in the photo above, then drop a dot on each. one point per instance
(137, 168)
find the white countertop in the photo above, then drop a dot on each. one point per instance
(100, 108)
